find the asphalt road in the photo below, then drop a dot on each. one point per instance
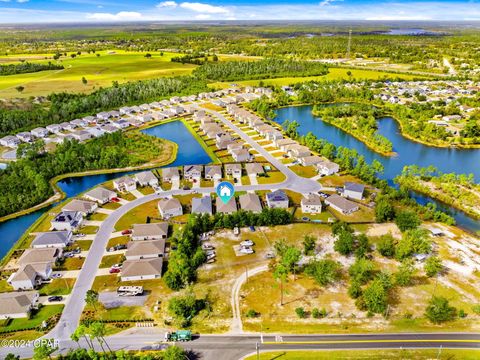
(214, 347)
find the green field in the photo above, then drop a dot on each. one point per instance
(99, 71)
(334, 74)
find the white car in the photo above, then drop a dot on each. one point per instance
(210, 257)
(207, 246)
(246, 250)
(116, 266)
(56, 276)
(247, 243)
(210, 252)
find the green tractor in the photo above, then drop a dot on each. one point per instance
(179, 335)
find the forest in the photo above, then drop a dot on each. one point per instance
(26, 67)
(26, 182)
(262, 69)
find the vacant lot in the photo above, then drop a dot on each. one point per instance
(98, 71)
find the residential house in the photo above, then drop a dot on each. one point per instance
(222, 140)
(148, 249)
(144, 269)
(45, 255)
(67, 220)
(297, 151)
(277, 199)
(96, 132)
(254, 169)
(234, 170)
(169, 208)
(82, 206)
(341, 204)
(353, 190)
(82, 135)
(240, 154)
(109, 129)
(327, 168)
(153, 231)
(311, 204)
(170, 174)
(213, 172)
(10, 141)
(226, 208)
(100, 195)
(202, 205)
(54, 128)
(15, 305)
(192, 172)
(279, 143)
(40, 132)
(250, 202)
(121, 124)
(25, 137)
(29, 276)
(146, 178)
(310, 160)
(124, 184)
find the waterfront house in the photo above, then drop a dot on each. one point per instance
(192, 172)
(353, 190)
(82, 206)
(170, 175)
(213, 172)
(341, 204)
(67, 220)
(58, 239)
(100, 195)
(124, 184)
(146, 178)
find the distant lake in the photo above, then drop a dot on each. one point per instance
(190, 152)
(408, 152)
(412, 31)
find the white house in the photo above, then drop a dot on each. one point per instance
(59, 239)
(311, 204)
(169, 208)
(277, 199)
(353, 190)
(155, 231)
(67, 220)
(144, 269)
(100, 195)
(327, 168)
(30, 276)
(40, 132)
(10, 141)
(124, 184)
(170, 174)
(15, 305)
(146, 178)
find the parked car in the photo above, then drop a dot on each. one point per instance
(115, 199)
(211, 260)
(76, 251)
(126, 232)
(246, 250)
(269, 255)
(55, 298)
(80, 235)
(68, 254)
(252, 228)
(116, 266)
(322, 194)
(210, 257)
(210, 252)
(56, 276)
(114, 270)
(247, 243)
(207, 246)
(120, 247)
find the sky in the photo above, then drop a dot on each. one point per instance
(53, 11)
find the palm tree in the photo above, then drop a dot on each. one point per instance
(82, 331)
(99, 331)
(91, 298)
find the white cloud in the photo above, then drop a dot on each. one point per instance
(204, 8)
(22, 1)
(4, 0)
(328, 2)
(120, 16)
(203, 16)
(167, 4)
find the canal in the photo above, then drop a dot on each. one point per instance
(408, 152)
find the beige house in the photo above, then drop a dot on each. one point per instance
(341, 204)
(311, 204)
(170, 174)
(82, 206)
(100, 195)
(155, 231)
(254, 169)
(144, 269)
(169, 208)
(31, 275)
(14, 305)
(250, 202)
(213, 172)
(234, 170)
(226, 208)
(147, 249)
(125, 184)
(146, 178)
(47, 255)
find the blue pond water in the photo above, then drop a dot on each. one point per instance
(408, 152)
(189, 152)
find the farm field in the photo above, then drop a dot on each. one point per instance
(99, 71)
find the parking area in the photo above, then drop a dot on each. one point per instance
(110, 300)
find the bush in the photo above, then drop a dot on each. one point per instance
(476, 309)
(301, 313)
(462, 313)
(318, 314)
(386, 245)
(252, 313)
(439, 310)
(355, 290)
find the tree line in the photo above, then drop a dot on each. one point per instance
(26, 67)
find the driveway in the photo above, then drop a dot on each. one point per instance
(110, 299)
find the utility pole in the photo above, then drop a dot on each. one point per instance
(349, 43)
(258, 352)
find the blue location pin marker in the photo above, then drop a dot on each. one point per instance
(225, 191)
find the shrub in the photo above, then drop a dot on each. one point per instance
(251, 313)
(301, 313)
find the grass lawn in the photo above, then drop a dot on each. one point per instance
(123, 313)
(4, 286)
(393, 354)
(127, 196)
(272, 177)
(118, 240)
(99, 71)
(364, 214)
(97, 217)
(138, 215)
(106, 282)
(89, 229)
(74, 263)
(44, 313)
(23, 335)
(334, 74)
(146, 190)
(109, 260)
(84, 245)
(337, 180)
(111, 206)
(305, 171)
(59, 286)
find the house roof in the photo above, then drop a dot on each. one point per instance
(254, 168)
(250, 202)
(233, 167)
(145, 176)
(17, 302)
(67, 217)
(124, 180)
(351, 186)
(154, 229)
(276, 196)
(142, 267)
(169, 172)
(31, 256)
(169, 204)
(100, 193)
(342, 203)
(52, 238)
(147, 247)
(229, 207)
(311, 199)
(27, 272)
(213, 170)
(192, 169)
(202, 205)
(79, 205)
